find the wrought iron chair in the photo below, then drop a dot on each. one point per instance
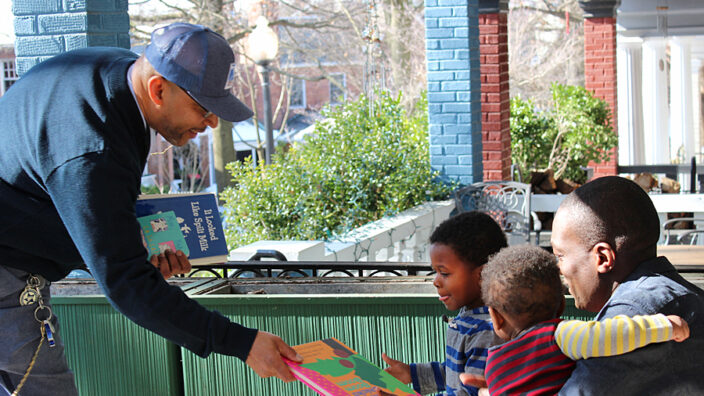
(672, 236)
(507, 202)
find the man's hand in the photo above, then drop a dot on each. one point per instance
(398, 369)
(680, 328)
(170, 263)
(265, 357)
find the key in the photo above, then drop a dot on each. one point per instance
(49, 329)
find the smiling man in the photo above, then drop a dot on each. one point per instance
(604, 236)
(76, 131)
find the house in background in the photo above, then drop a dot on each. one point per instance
(8, 74)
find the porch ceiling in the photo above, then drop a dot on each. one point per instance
(653, 18)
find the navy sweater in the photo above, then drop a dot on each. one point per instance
(73, 149)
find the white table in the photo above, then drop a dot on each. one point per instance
(664, 203)
(683, 255)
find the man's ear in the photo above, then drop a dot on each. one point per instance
(605, 257)
(497, 319)
(156, 86)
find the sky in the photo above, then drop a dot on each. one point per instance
(7, 31)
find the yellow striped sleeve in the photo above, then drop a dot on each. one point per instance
(595, 341)
(631, 334)
(580, 338)
(619, 336)
(584, 339)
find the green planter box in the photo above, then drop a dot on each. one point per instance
(109, 354)
(112, 356)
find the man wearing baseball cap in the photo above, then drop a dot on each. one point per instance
(76, 134)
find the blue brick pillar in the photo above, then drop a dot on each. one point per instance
(44, 28)
(454, 90)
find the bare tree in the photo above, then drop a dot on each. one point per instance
(316, 35)
(546, 45)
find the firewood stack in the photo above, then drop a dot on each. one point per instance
(545, 183)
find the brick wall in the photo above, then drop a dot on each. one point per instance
(454, 92)
(496, 129)
(600, 75)
(600, 64)
(49, 27)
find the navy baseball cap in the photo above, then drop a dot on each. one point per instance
(201, 62)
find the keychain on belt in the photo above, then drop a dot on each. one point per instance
(30, 296)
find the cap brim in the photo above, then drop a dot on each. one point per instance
(228, 107)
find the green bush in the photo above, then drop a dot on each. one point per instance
(355, 168)
(531, 136)
(574, 131)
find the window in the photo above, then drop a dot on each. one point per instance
(9, 75)
(338, 83)
(297, 93)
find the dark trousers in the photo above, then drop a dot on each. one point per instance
(20, 334)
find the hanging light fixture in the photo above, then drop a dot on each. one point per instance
(661, 22)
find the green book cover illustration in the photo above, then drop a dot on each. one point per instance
(161, 232)
(332, 368)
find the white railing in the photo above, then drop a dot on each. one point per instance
(402, 237)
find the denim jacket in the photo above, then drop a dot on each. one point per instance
(672, 368)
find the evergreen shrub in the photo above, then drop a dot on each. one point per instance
(573, 131)
(353, 169)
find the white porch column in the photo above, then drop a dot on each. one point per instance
(697, 64)
(681, 121)
(629, 61)
(655, 107)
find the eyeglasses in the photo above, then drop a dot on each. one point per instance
(207, 112)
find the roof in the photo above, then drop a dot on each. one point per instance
(643, 18)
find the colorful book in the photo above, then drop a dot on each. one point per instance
(161, 232)
(331, 368)
(198, 219)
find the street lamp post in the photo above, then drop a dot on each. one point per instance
(263, 45)
(266, 95)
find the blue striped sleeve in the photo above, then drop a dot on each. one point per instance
(438, 372)
(414, 377)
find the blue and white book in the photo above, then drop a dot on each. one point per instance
(199, 221)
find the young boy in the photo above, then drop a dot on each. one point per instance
(522, 287)
(459, 247)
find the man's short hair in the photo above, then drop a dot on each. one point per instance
(523, 282)
(473, 236)
(615, 210)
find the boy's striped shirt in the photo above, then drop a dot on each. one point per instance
(468, 337)
(541, 360)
